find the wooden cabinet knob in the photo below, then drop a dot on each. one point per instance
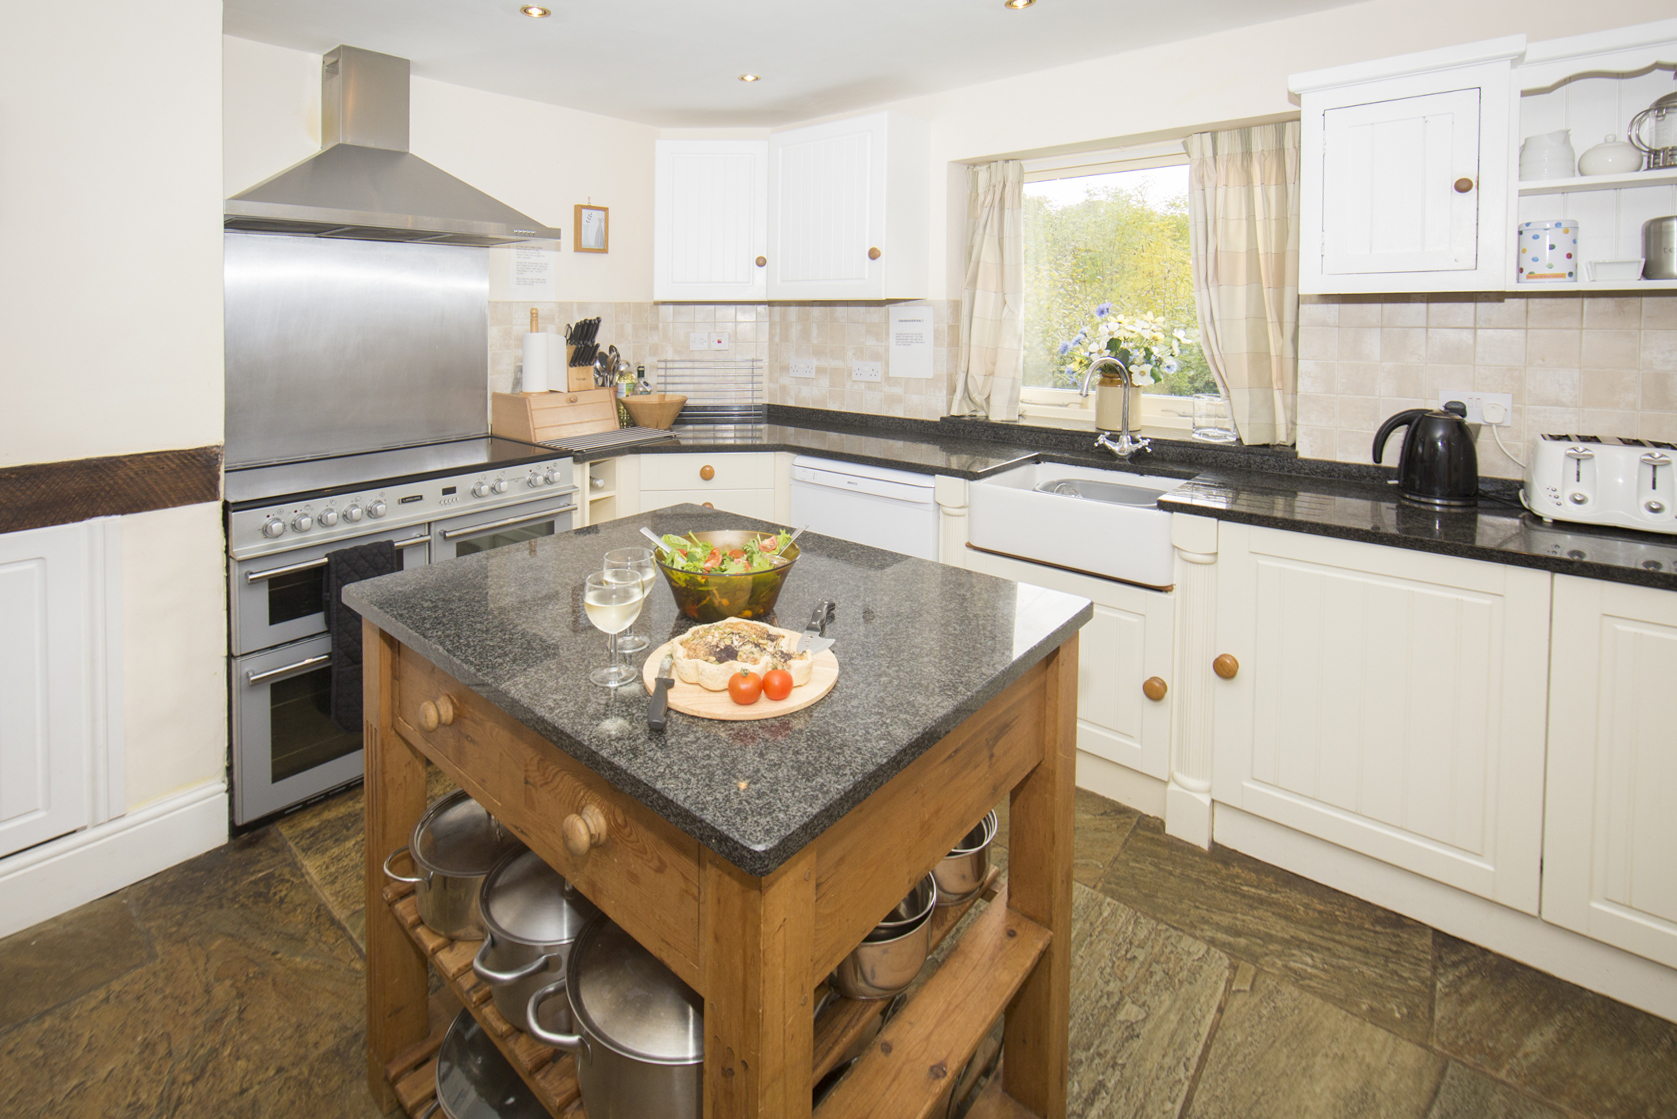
(584, 831)
(707, 505)
(1463, 185)
(438, 714)
(707, 472)
(1154, 688)
(762, 260)
(571, 399)
(1225, 666)
(873, 254)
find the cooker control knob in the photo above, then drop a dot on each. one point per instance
(534, 480)
(480, 489)
(552, 475)
(274, 527)
(352, 514)
(376, 509)
(500, 485)
(302, 522)
(328, 518)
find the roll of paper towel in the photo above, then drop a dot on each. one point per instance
(538, 360)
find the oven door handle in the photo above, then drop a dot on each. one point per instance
(254, 678)
(510, 522)
(276, 572)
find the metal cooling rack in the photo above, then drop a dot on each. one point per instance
(718, 391)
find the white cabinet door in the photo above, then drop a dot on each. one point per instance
(848, 209)
(44, 685)
(710, 220)
(1386, 700)
(1610, 838)
(1128, 641)
(1390, 172)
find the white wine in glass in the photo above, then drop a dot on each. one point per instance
(612, 600)
(638, 560)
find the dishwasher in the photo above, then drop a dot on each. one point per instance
(891, 509)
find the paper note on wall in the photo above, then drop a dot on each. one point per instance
(521, 272)
(911, 340)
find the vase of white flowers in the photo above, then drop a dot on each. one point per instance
(1148, 346)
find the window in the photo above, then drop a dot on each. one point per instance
(1106, 253)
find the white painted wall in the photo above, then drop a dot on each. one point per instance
(541, 159)
(110, 203)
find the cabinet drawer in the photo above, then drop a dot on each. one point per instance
(644, 874)
(747, 503)
(686, 472)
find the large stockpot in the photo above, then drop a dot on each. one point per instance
(962, 872)
(453, 847)
(530, 917)
(639, 1042)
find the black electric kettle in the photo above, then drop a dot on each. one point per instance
(1439, 465)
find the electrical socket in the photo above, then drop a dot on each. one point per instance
(1476, 402)
(698, 340)
(719, 340)
(865, 371)
(802, 367)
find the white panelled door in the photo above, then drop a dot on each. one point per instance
(44, 685)
(710, 220)
(1391, 172)
(1610, 849)
(1386, 700)
(827, 188)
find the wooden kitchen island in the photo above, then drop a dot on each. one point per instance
(749, 857)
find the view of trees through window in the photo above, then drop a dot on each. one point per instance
(1105, 246)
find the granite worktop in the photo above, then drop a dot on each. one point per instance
(920, 647)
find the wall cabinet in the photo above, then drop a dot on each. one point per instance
(1388, 701)
(1610, 849)
(711, 221)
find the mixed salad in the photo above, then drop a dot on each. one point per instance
(757, 553)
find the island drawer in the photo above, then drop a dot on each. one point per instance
(730, 471)
(636, 866)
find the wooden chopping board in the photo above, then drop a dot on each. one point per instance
(692, 699)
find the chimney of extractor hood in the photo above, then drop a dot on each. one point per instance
(364, 99)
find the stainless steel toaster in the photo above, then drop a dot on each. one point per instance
(1603, 480)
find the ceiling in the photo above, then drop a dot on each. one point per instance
(675, 63)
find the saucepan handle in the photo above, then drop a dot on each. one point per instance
(570, 1043)
(392, 875)
(481, 968)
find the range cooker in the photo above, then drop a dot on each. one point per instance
(433, 502)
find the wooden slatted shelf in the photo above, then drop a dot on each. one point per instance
(994, 1103)
(551, 1075)
(911, 1061)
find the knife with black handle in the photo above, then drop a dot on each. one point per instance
(658, 715)
(815, 639)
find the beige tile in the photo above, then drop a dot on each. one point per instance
(1554, 348)
(1612, 312)
(1359, 413)
(1658, 425)
(1445, 378)
(1404, 312)
(1399, 380)
(1510, 379)
(1361, 310)
(1607, 421)
(1318, 343)
(1500, 312)
(1498, 346)
(1318, 443)
(1404, 343)
(1659, 350)
(1359, 343)
(1318, 376)
(1358, 378)
(1610, 349)
(1451, 310)
(1354, 446)
(1659, 312)
(1317, 409)
(1314, 310)
(1554, 311)
(1551, 421)
(1611, 388)
(1449, 346)
(1552, 388)
(1659, 392)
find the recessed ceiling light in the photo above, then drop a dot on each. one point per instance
(1017, 4)
(535, 11)
(750, 78)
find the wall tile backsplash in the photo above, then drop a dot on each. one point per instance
(831, 334)
(1574, 363)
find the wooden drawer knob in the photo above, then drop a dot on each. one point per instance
(1463, 185)
(873, 254)
(708, 505)
(584, 830)
(438, 714)
(1225, 666)
(571, 399)
(762, 260)
(707, 472)
(1154, 688)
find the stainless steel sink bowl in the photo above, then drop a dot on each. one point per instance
(1113, 493)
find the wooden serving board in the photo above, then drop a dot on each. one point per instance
(706, 704)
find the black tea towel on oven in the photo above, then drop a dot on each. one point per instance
(345, 566)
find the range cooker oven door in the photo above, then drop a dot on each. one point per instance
(286, 747)
(496, 528)
(278, 598)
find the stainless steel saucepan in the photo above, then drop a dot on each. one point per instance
(531, 915)
(453, 847)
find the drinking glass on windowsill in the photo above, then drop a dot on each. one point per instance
(638, 560)
(612, 600)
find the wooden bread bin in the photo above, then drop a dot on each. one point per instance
(540, 417)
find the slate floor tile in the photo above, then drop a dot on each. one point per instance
(1359, 956)
(1574, 1048)
(60, 960)
(1466, 1094)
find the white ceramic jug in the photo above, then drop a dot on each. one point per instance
(1610, 157)
(1548, 155)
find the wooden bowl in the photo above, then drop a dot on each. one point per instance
(654, 409)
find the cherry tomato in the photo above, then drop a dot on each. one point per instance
(745, 687)
(712, 560)
(737, 553)
(769, 544)
(777, 683)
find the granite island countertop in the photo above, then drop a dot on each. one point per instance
(920, 646)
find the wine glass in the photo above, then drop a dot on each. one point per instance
(638, 560)
(612, 600)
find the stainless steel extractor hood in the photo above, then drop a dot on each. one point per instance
(364, 184)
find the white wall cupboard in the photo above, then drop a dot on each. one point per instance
(710, 221)
(1610, 848)
(1388, 701)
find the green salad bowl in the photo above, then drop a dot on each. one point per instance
(711, 598)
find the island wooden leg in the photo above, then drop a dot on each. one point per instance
(757, 936)
(1039, 859)
(397, 1016)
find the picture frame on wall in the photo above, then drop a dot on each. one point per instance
(593, 229)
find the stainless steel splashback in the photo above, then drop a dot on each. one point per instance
(338, 346)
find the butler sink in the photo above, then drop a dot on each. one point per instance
(1104, 522)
